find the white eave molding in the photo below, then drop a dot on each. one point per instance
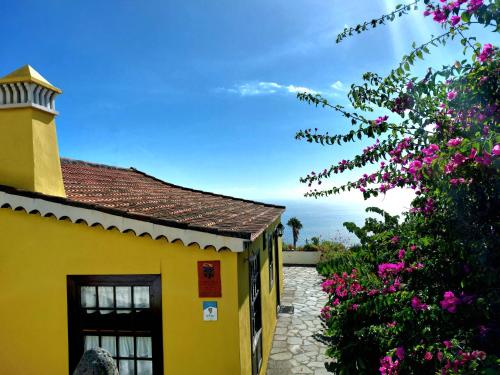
(109, 221)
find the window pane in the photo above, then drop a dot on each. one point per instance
(109, 343)
(123, 296)
(105, 296)
(90, 342)
(141, 296)
(144, 367)
(126, 346)
(126, 367)
(88, 296)
(144, 347)
(105, 311)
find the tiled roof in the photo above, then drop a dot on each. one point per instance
(131, 192)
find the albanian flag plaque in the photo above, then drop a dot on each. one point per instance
(209, 284)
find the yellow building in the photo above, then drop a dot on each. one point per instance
(167, 279)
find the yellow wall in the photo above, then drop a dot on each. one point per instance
(29, 154)
(37, 253)
(269, 314)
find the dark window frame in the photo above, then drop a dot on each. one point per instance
(144, 322)
(270, 258)
(256, 329)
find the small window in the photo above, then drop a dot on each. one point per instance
(121, 314)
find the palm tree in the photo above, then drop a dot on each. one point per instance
(296, 226)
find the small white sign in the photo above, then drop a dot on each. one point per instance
(209, 310)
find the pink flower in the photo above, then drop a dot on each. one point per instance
(447, 344)
(400, 353)
(401, 254)
(474, 5)
(430, 150)
(486, 52)
(496, 150)
(428, 356)
(450, 302)
(386, 269)
(354, 306)
(455, 142)
(388, 366)
(451, 95)
(395, 240)
(413, 248)
(439, 16)
(429, 159)
(409, 85)
(381, 120)
(417, 305)
(454, 20)
(485, 159)
(415, 166)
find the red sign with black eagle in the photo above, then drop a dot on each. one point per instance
(209, 284)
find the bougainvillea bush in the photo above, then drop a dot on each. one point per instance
(427, 299)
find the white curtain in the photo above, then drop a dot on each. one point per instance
(141, 296)
(109, 343)
(126, 367)
(126, 346)
(123, 298)
(87, 296)
(144, 367)
(144, 347)
(91, 342)
(105, 295)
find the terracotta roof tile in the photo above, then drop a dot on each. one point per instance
(136, 193)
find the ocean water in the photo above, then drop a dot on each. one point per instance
(325, 218)
(322, 219)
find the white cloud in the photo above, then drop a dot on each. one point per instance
(296, 89)
(272, 88)
(338, 86)
(265, 88)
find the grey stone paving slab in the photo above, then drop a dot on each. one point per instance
(295, 350)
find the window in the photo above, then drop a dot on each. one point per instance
(121, 314)
(270, 254)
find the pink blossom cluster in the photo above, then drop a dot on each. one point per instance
(474, 5)
(450, 301)
(417, 304)
(341, 288)
(387, 269)
(388, 366)
(461, 359)
(455, 142)
(380, 120)
(486, 52)
(459, 159)
(427, 208)
(326, 312)
(430, 153)
(441, 14)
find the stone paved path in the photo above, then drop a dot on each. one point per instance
(295, 350)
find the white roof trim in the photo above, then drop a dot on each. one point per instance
(123, 224)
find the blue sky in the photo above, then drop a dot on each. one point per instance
(202, 93)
